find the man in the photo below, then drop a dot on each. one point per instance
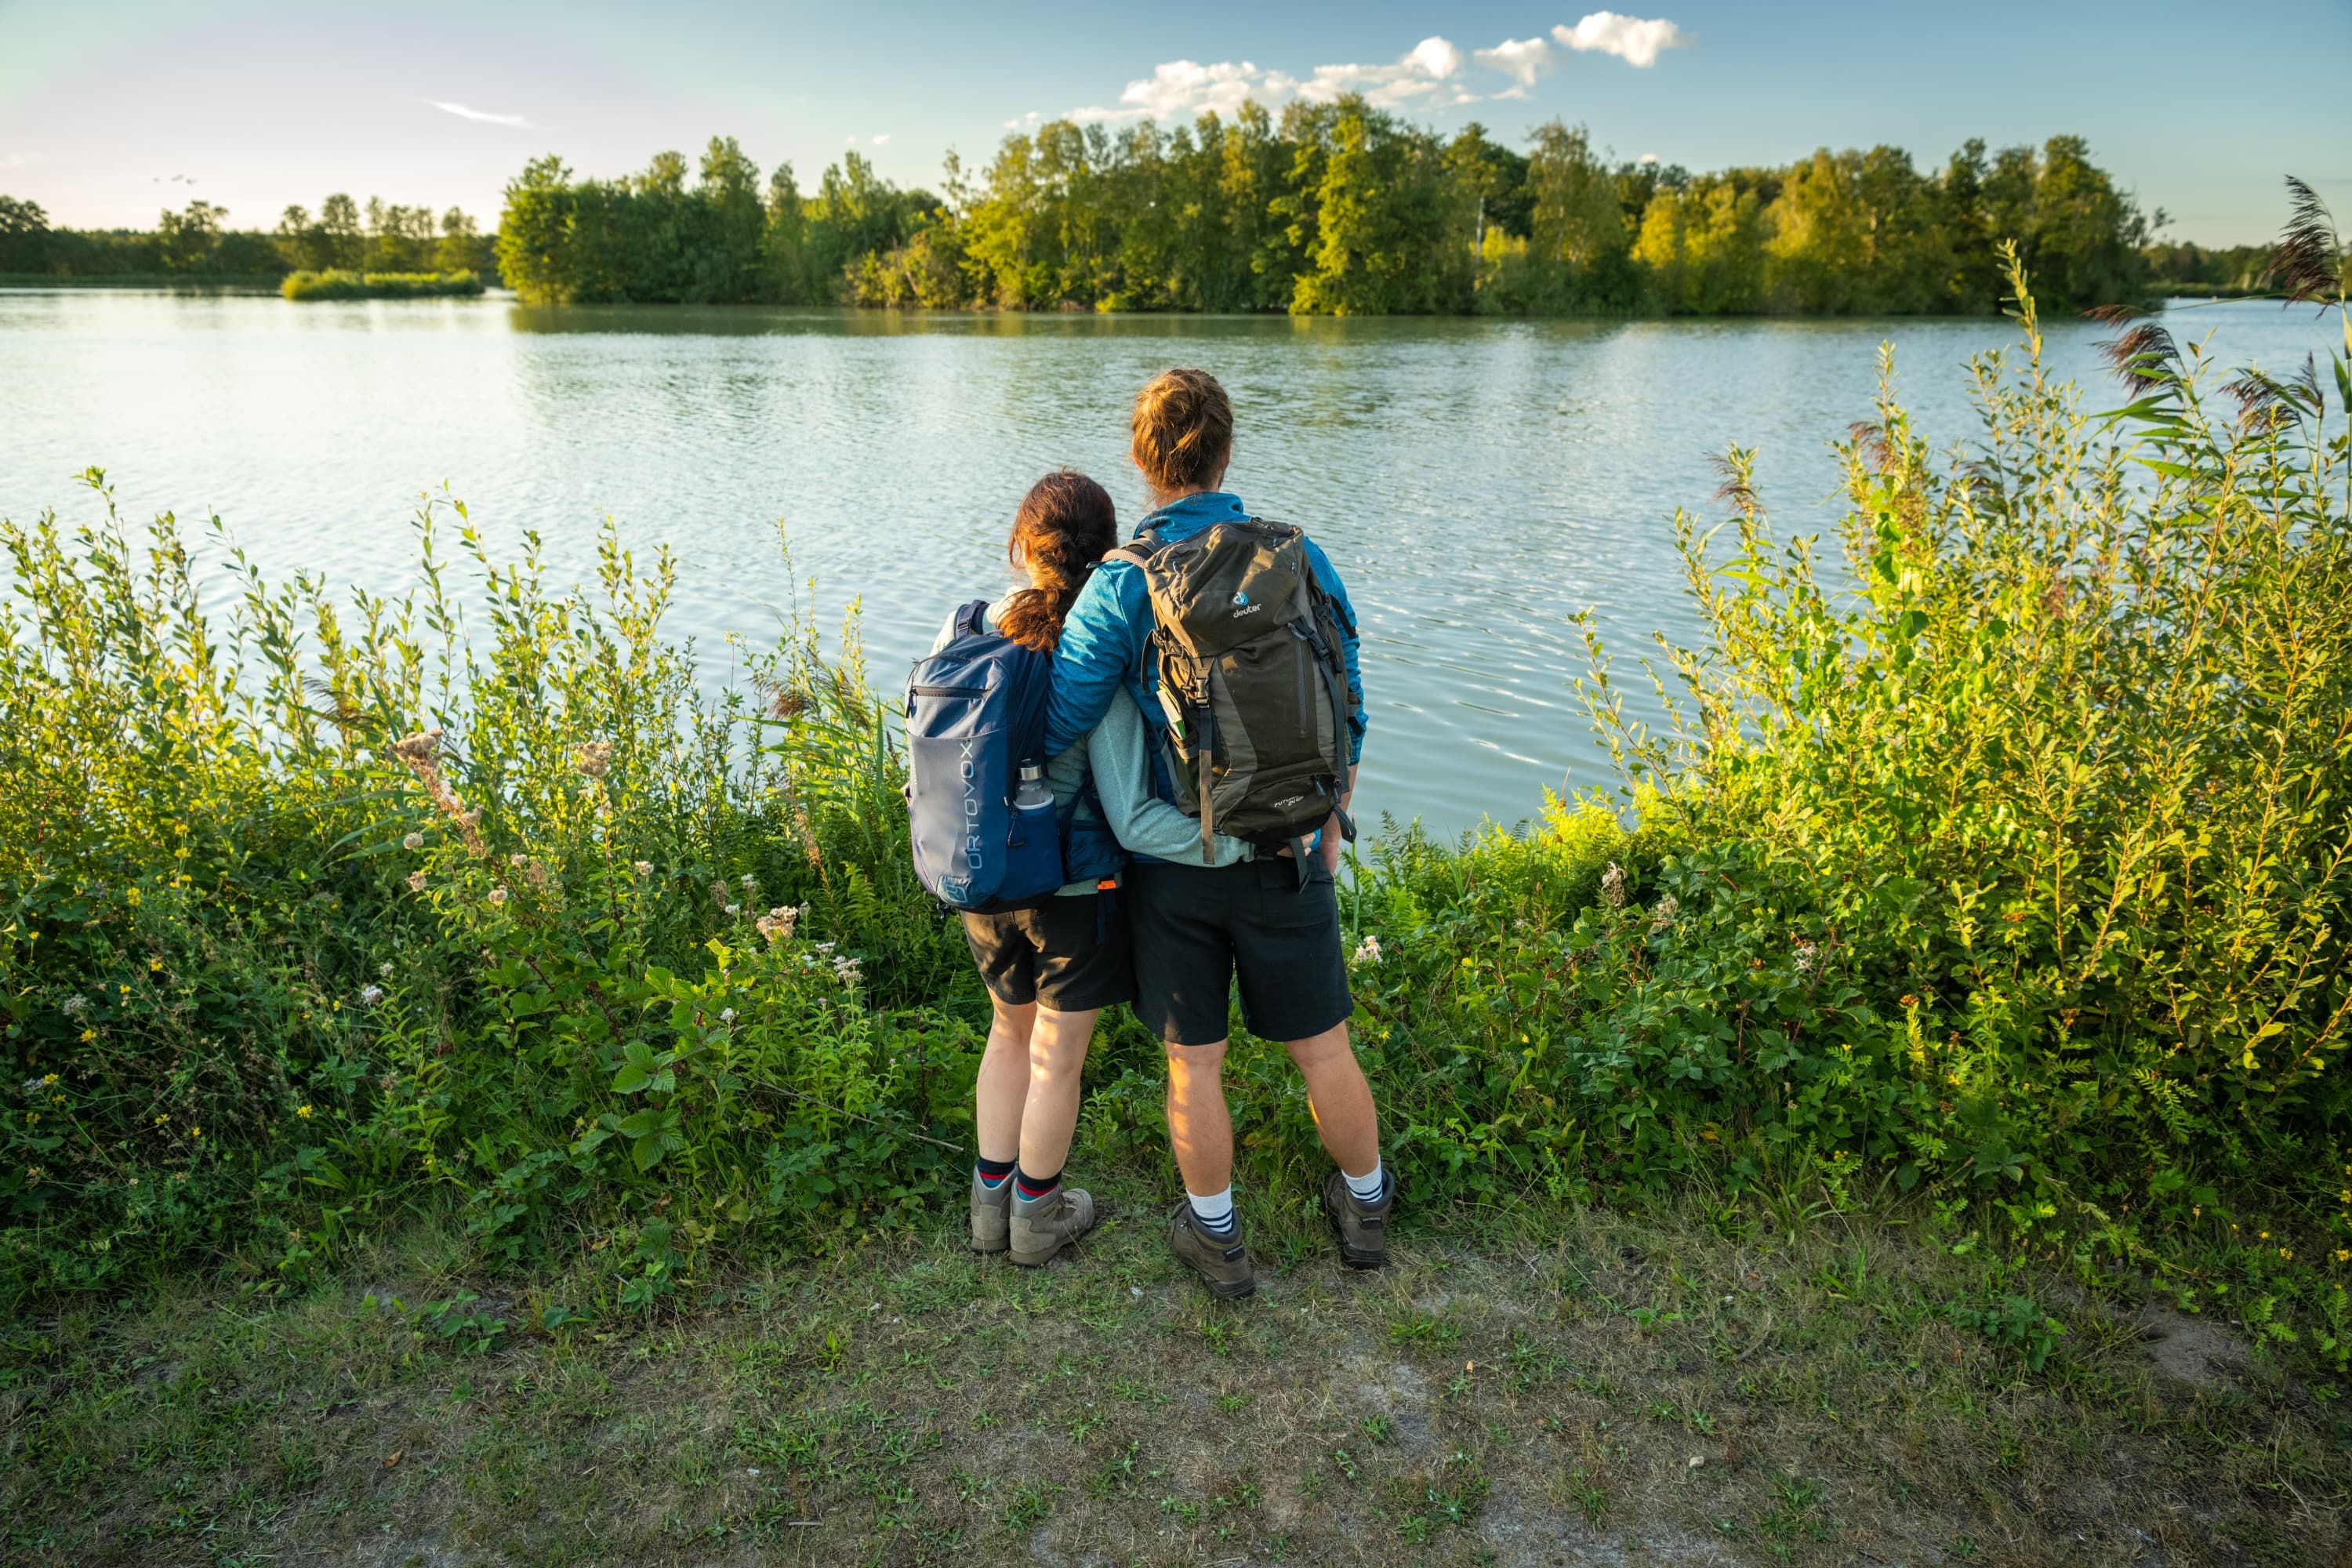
(1269, 921)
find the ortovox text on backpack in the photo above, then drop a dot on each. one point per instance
(976, 712)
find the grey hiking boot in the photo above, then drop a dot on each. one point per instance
(1363, 1228)
(1041, 1227)
(992, 1214)
(1224, 1266)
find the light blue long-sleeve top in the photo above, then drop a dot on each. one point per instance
(1115, 752)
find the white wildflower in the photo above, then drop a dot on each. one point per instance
(1804, 956)
(412, 841)
(846, 969)
(749, 882)
(417, 881)
(515, 859)
(777, 924)
(371, 995)
(1368, 950)
(383, 971)
(733, 911)
(73, 1005)
(1663, 912)
(643, 867)
(31, 1084)
(727, 1014)
(1613, 886)
(498, 895)
(821, 946)
(592, 758)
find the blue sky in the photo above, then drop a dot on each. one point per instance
(111, 108)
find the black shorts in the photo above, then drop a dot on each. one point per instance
(1069, 954)
(1197, 929)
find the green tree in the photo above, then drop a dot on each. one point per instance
(535, 251)
(1391, 235)
(2086, 235)
(1582, 244)
(185, 242)
(23, 236)
(1704, 246)
(344, 239)
(462, 248)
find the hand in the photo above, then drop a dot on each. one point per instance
(1328, 845)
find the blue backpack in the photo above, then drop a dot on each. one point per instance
(975, 713)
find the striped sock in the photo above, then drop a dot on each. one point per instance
(1031, 1188)
(1215, 1214)
(992, 1174)
(1368, 1186)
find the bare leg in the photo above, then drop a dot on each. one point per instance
(1198, 1124)
(1003, 1085)
(1057, 1058)
(1340, 1100)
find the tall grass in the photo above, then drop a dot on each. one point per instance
(2006, 865)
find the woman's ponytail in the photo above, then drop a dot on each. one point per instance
(1066, 524)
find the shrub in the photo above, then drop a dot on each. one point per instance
(344, 905)
(337, 284)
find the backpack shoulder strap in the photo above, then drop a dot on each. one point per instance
(1136, 551)
(971, 620)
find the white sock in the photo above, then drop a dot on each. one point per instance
(1367, 1187)
(1214, 1212)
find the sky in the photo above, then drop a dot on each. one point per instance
(111, 109)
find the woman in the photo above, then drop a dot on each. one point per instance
(1051, 970)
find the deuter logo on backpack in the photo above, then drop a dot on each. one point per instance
(985, 835)
(1257, 708)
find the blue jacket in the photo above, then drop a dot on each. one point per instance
(1103, 636)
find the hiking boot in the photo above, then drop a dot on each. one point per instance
(992, 1214)
(1361, 1227)
(1042, 1227)
(1224, 1266)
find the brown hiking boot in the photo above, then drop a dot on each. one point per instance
(1042, 1227)
(1363, 1228)
(992, 1214)
(1224, 1266)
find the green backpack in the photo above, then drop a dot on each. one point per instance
(1253, 677)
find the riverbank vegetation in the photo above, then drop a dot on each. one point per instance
(559, 1074)
(195, 245)
(2002, 873)
(337, 284)
(1337, 208)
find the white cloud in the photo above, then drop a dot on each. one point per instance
(1422, 78)
(482, 116)
(1633, 39)
(1427, 77)
(1521, 59)
(1178, 90)
(882, 139)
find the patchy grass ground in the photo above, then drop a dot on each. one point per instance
(1586, 1387)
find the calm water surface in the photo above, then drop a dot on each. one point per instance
(1477, 482)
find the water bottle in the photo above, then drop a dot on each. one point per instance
(1033, 795)
(1034, 866)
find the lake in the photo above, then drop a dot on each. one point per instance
(1477, 481)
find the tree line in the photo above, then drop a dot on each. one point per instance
(196, 243)
(1336, 208)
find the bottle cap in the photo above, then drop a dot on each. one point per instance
(1031, 771)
